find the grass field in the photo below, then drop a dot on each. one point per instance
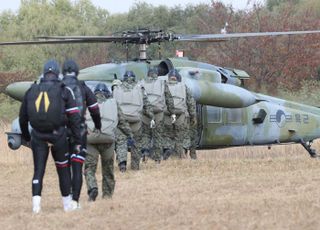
(235, 188)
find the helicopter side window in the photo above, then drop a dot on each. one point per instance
(214, 114)
(234, 115)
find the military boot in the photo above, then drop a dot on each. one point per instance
(93, 193)
(123, 166)
(193, 154)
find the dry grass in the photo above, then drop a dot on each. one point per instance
(238, 188)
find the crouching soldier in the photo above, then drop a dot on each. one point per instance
(103, 142)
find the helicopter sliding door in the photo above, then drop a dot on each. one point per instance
(222, 127)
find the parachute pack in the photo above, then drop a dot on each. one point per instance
(178, 92)
(44, 108)
(155, 92)
(74, 84)
(109, 121)
(130, 101)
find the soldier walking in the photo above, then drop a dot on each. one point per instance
(103, 143)
(161, 100)
(134, 103)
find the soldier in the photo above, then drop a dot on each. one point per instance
(190, 137)
(84, 98)
(103, 143)
(160, 99)
(121, 145)
(183, 103)
(48, 106)
(134, 103)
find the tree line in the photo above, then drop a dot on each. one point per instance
(286, 61)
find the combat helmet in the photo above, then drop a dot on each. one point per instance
(174, 73)
(129, 75)
(51, 66)
(102, 88)
(70, 67)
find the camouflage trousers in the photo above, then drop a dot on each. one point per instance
(106, 152)
(121, 146)
(153, 140)
(174, 135)
(136, 152)
(190, 138)
(193, 141)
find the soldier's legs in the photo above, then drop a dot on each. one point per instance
(121, 147)
(90, 167)
(179, 130)
(158, 142)
(77, 161)
(59, 153)
(147, 142)
(107, 166)
(167, 136)
(40, 152)
(193, 142)
(136, 152)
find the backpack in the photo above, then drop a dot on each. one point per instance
(130, 102)
(45, 107)
(155, 93)
(178, 92)
(109, 122)
(74, 84)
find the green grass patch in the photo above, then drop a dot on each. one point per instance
(9, 108)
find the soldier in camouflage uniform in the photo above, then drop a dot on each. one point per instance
(121, 149)
(103, 143)
(160, 98)
(190, 137)
(183, 103)
(134, 103)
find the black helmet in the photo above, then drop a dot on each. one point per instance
(70, 66)
(102, 88)
(153, 72)
(129, 74)
(175, 73)
(51, 66)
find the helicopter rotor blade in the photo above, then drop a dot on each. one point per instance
(225, 37)
(74, 39)
(148, 37)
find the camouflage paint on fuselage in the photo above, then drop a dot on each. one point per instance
(228, 114)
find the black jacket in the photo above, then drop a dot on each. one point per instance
(70, 112)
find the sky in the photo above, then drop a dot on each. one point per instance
(121, 6)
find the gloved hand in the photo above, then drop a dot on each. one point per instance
(152, 124)
(96, 131)
(131, 142)
(193, 121)
(116, 82)
(173, 118)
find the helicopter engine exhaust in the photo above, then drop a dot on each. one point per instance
(221, 95)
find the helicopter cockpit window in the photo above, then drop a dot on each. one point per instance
(214, 114)
(234, 115)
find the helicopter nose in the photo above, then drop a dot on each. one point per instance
(17, 90)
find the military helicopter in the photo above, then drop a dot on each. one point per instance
(228, 114)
